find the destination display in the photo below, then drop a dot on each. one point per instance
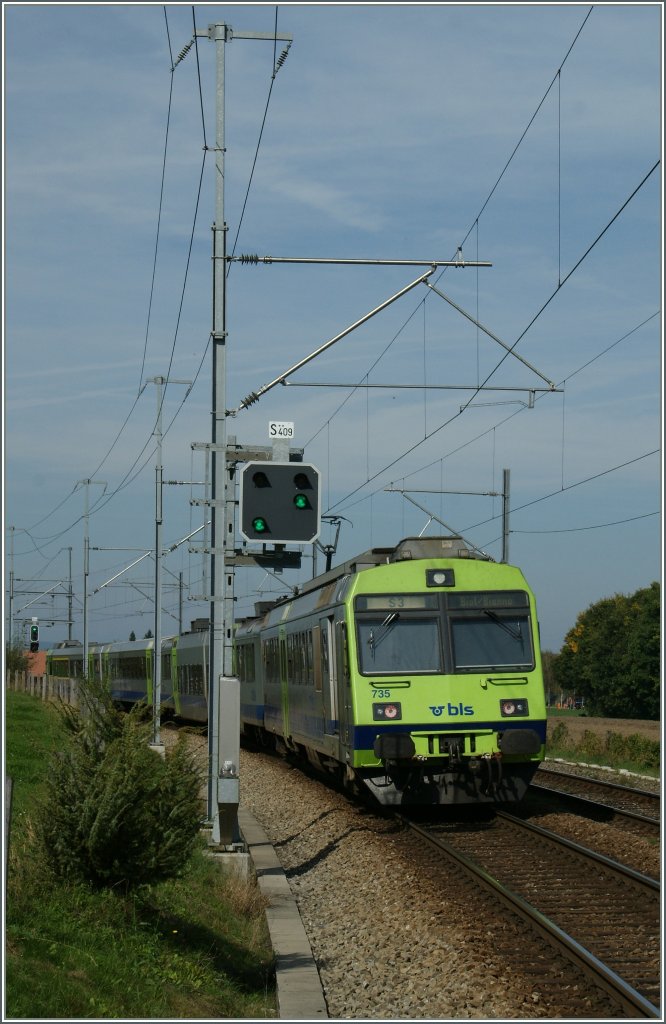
(487, 599)
(395, 602)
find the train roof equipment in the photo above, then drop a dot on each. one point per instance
(406, 549)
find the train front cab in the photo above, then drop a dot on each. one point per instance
(444, 690)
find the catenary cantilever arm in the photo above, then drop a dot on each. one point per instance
(254, 396)
(490, 334)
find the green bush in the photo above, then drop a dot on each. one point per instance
(559, 737)
(643, 750)
(116, 813)
(591, 745)
(616, 747)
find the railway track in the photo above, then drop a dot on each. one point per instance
(634, 810)
(603, 917)
(613, 794)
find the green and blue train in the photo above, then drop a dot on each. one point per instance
(413, 672)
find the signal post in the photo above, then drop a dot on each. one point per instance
(280, 504)
(222, 788)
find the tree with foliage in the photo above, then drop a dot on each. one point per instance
(117, 814)
(148, 635)
(548, 659)
(612, 655)
(16, 659)
(132, 636)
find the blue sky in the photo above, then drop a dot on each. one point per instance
(387, 132)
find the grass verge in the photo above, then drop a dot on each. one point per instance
(634, 753)
(196, 946)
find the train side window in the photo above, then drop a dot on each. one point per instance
(245, 662)
(324, 654)
(271, 662)
(315, 654)
(196, 679)
(307, 651)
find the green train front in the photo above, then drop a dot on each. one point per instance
(414, 671)
(446, 699)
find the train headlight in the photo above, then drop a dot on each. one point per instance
(514, 708)
(440, 578)
(390, 712)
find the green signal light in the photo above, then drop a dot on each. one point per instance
(259, 525)
(300, 501)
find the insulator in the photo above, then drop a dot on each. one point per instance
(183, 53)
(281, 59)
(249, 258)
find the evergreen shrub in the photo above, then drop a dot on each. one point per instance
(117, 813)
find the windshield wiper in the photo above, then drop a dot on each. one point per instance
(385, 626)
(517, 634)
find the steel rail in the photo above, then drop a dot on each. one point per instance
(583, 851)
(587, 804)
(603, 977)
(614, 787)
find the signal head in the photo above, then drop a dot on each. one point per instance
(279, 502)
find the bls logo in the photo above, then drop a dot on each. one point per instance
(451, 709)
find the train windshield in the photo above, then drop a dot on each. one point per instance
(456, 632)
(495, 637)
(394, 641)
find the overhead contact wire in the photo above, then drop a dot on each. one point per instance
(508, 353)
(127, 418)
(474, 222)
(256, 152)
(159, 211)
(511, 416)
(129, 478)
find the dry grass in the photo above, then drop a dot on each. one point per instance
(577, 725)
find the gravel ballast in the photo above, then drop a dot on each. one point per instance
(391, 938)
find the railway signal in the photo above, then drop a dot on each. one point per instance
(280, 502)
(34, 637)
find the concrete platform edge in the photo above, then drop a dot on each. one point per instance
(299, 990)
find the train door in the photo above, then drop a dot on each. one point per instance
(329, 676)
(284, 680)
(174, 677)
(344, 683)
